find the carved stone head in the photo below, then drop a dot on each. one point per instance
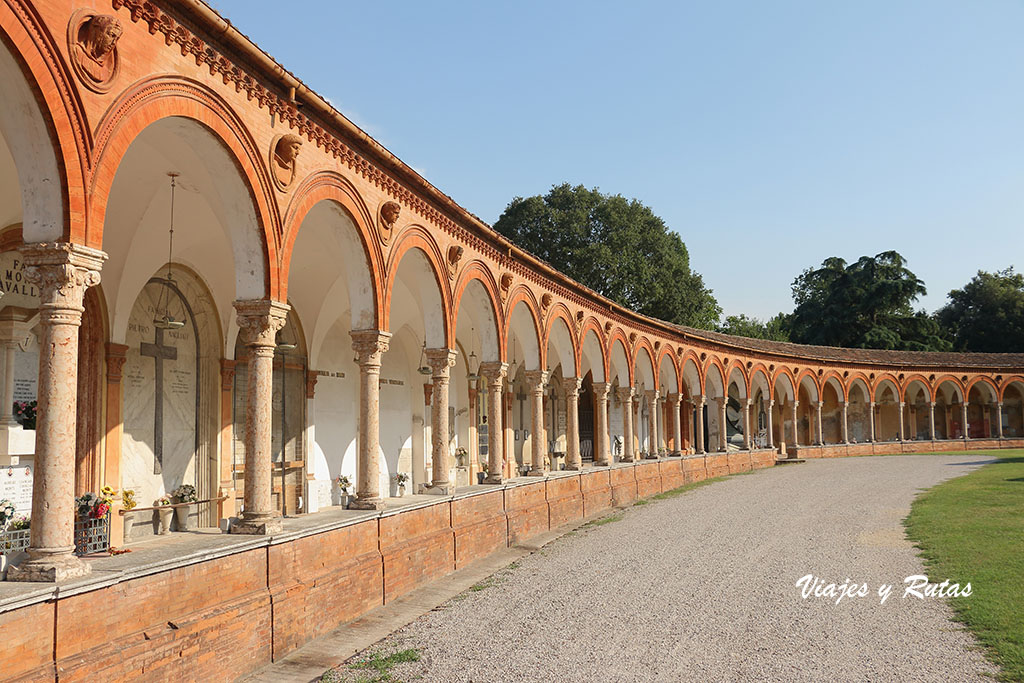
(284, 156)
(390, 212)
(92, 40)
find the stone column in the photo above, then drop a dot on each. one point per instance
(723, 432)
(846, 422)
(931, 420)
(964, 426)
(62, 272)
(369, 346)
(440, 362)
(537, 379)
(494, 373)
(573, 461)
(652, 422)
(698, 429)
(675, 402)
(871, 420)
(602, 453)
(819, 437)
(259, 321)
(769, 404)
(902, 429)
(796, 425)
(626, 397)
(746, 424)
(999, 419)
(12, 331)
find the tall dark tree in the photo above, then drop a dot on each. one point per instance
(615, 246)
(867, 304)
(774, 329)
(987, 314)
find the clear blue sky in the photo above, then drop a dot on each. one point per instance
(770, 135)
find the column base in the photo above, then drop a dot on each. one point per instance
(257, 525)
(442, 489)
(675, 454)
(494, 479)
(49, 569)
(537, 473)
(602, 463)
(366, 504)
(572, 468)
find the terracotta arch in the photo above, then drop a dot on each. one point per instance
(714, 361)
(691, 356)
(591, 324)
(331, 186)
(982, 379)
(666, 350)
(929, 389)
(830, 374)
(38, 57)
(167, 97)
(644, 344)
(560, 312)
(736, 364)
(878, 382)
(760, 369)
(814, 382)
(522, 293)
(1006, 384)
(617, 335)
(478, 270)
(418, 238)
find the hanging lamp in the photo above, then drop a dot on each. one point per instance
(423, 369)
(163, 319)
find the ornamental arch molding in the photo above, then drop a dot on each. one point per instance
(163, 99)
(563, 342)
(592, 355)
(476, 274)
(439, 330)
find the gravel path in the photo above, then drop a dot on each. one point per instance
(702, 587)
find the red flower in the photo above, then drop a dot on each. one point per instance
(100, 511)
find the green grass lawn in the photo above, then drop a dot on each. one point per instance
(972, 529)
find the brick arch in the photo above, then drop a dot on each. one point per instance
(559, 311)
(829, 374)
(1006, 384)
(37, 55)
(618, 334)
(848, 384)
(713, 360)
(929, 389)
(166, 97)
(757, 369)
(666, 350)
(737, 364)
(814, 380)
(591, 323)
(643, 343)
(330, 186)
(939, 381)
(478, 270)
(691, 355)
(524, 294)
(418, 238)
(981, 379)
(878, 382)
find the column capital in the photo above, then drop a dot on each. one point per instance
(651, 394)
(117, 354)
(440, 361)
(902, 404)
(62, 271)
(259, 321)
(601, 390)
(676, 399)
(796, 404)
(770, 402)
(369, 345)
(699, 401)
(227, 374)
(572, 385)
(932, 404)
(537, 379)
(311, 377)
(493, 371)
(624, 393)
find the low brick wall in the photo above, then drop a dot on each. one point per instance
(886, 447)
(223, 616)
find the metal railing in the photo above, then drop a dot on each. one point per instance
(91, 536)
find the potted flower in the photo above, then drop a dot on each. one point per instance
(461, 454)
(25, 413)
(185, 495)
(165, 511)
(482, 474)
(402, 478)
(344, 484)
(129, 504)
(6, 513)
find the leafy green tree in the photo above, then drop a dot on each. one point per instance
(987, 314)
(615, 246)
(774, 329)
(867, 304)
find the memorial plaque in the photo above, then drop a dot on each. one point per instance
(15, 287)
(16, 486)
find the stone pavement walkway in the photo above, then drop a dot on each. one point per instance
(702, 587)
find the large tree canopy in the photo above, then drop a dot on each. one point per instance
(987, 314)
(615, 246)
(867, 304)
(774, 329)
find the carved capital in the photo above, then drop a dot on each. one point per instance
(259, 321)
(601, 390)
(116, 357)
(440, 362)
(62, 271)
(624, 393)
(369, 346)
(572, 385)
(311, 377)
(651, 394)
(494, 372)
(537, 379)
